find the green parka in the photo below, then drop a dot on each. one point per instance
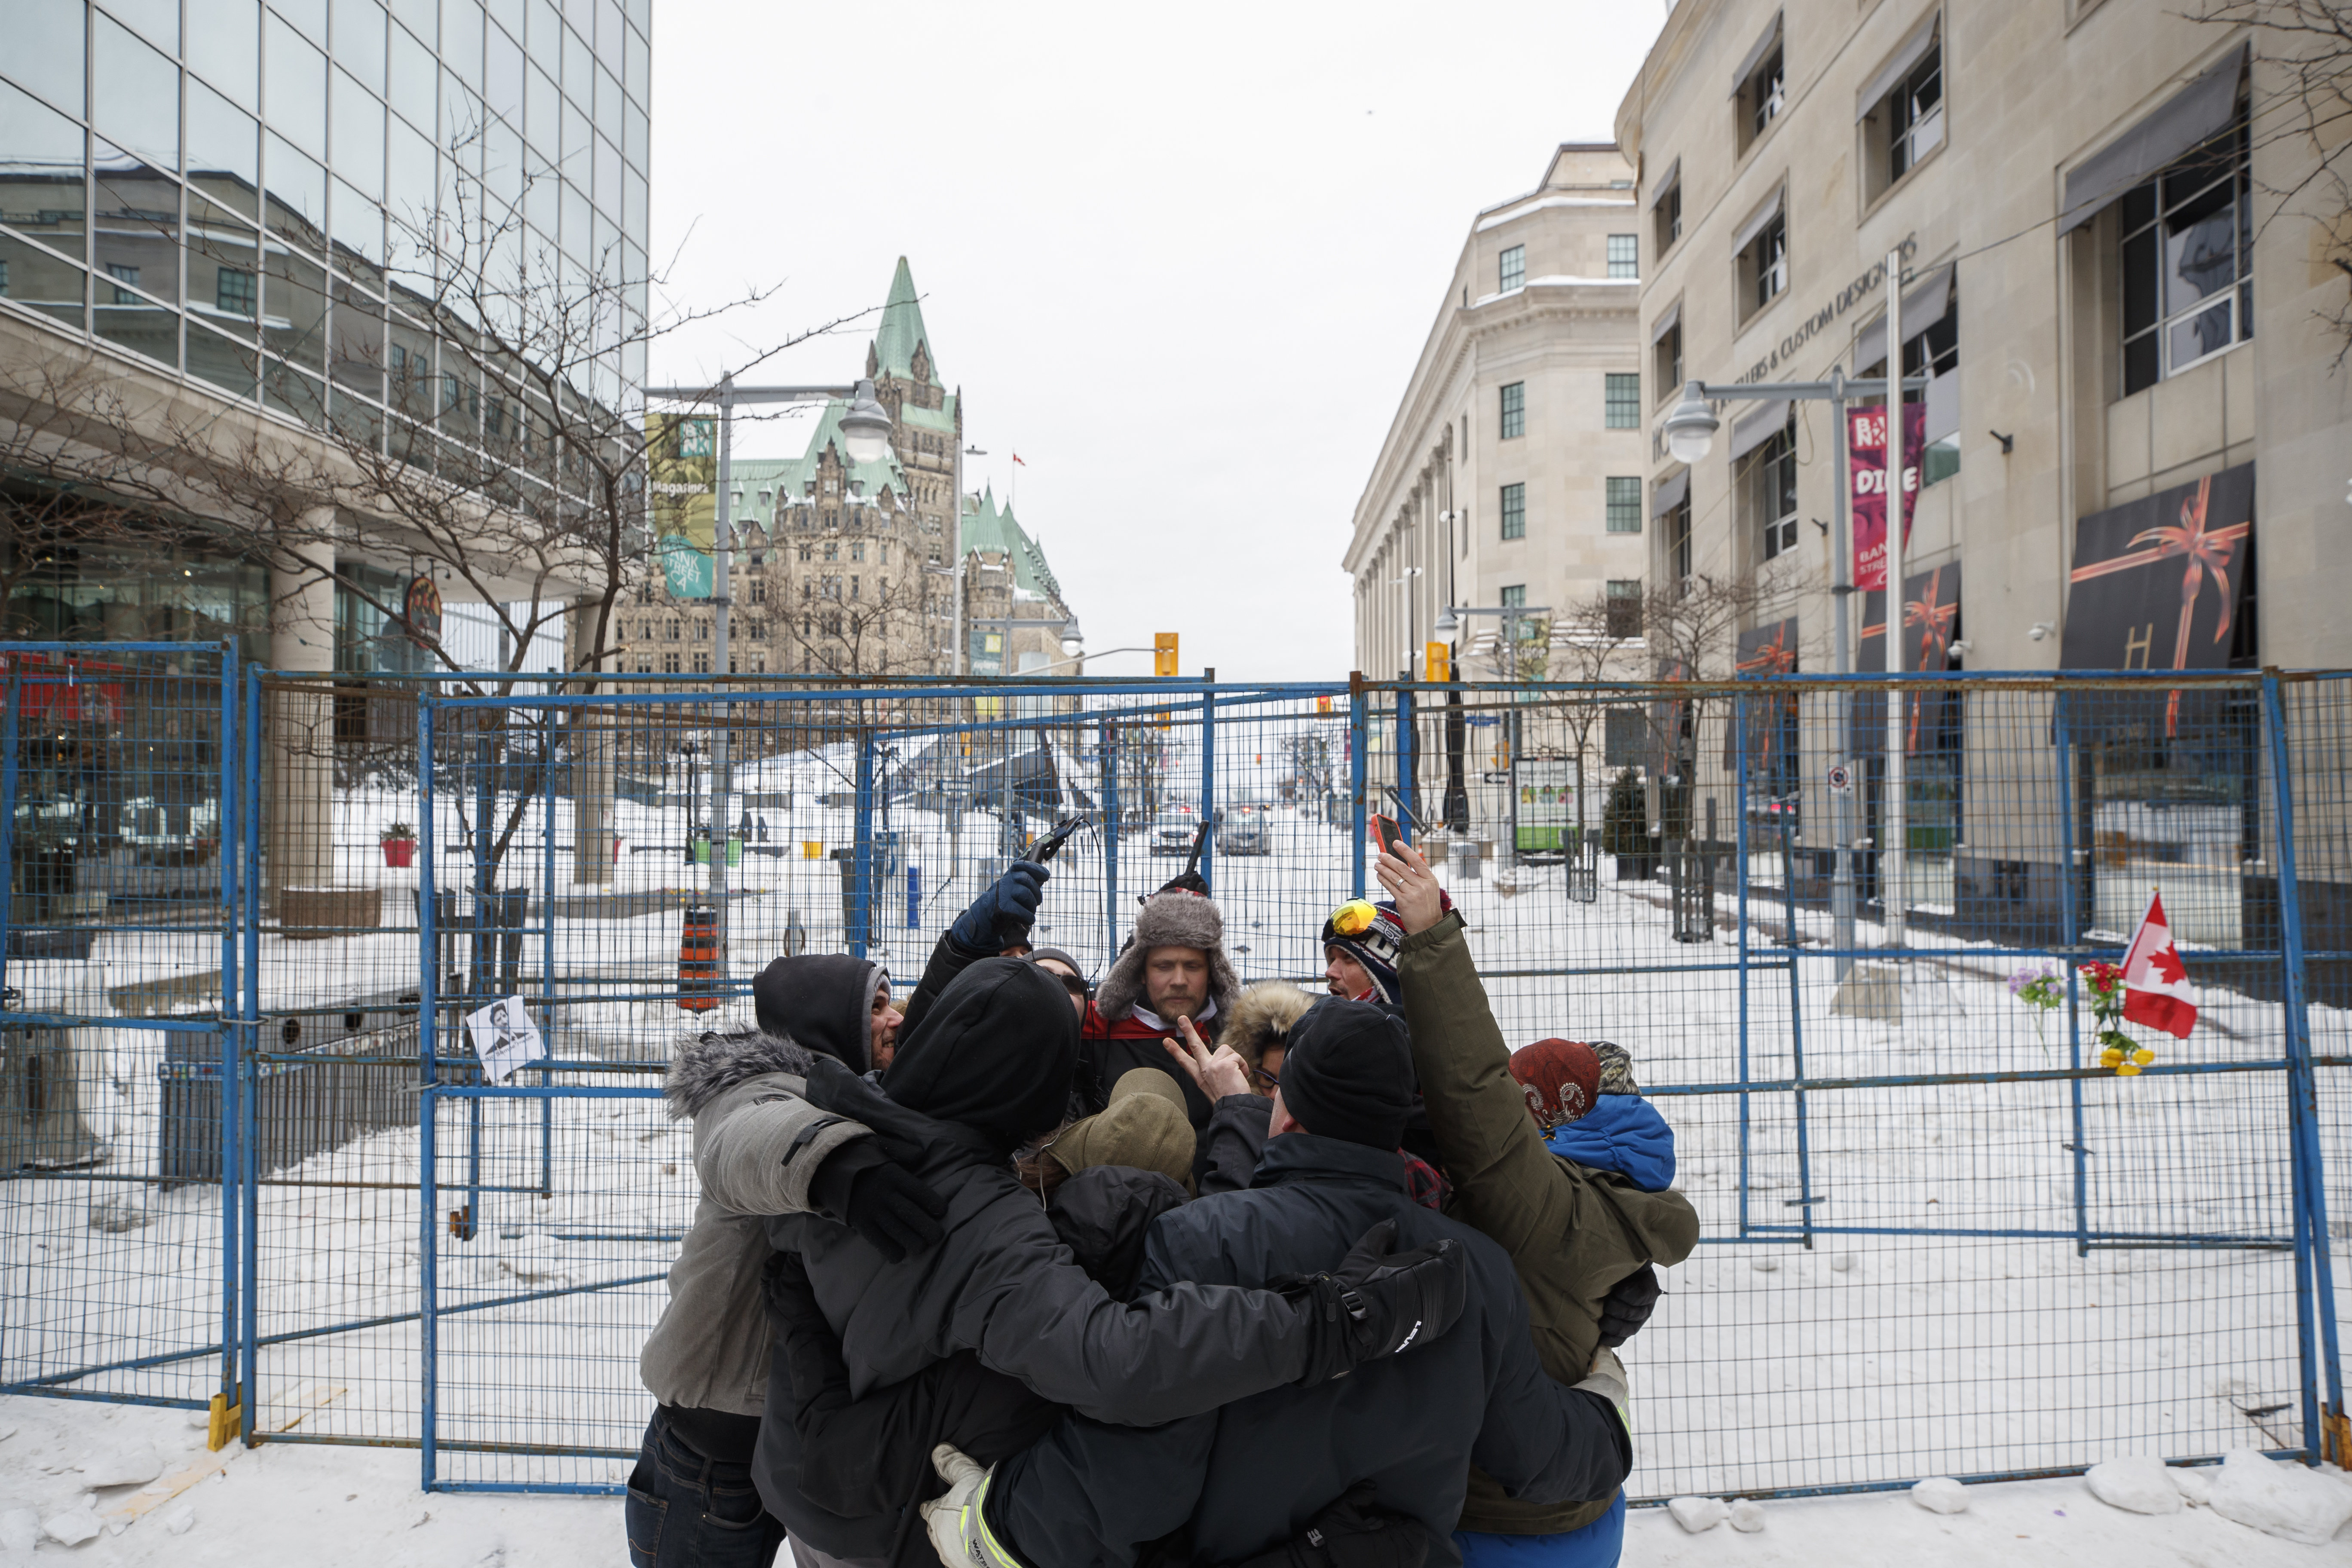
(1572, 1232)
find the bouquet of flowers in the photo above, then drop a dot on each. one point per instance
(2040, 987)
(2044, 988)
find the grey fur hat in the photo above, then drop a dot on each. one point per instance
(1170, 920)
(705, 1066)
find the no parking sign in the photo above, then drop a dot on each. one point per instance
(1840, 779)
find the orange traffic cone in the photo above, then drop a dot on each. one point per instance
(697, 961)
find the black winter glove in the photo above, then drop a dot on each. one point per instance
(1378, 1301)
(867, 1191)
(1004, 913)
(1628, 1306)
(1353, 1532)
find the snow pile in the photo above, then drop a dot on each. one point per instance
(2283, 1498)
(2139, 1483)
(536, 1258)
(1747, 1516)
(131, 1464)
(1941, 1494)
(72, 1526)
(20, 1532)
(1698, 1513)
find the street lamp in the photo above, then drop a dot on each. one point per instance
(1691, 427)
(866, 427)
(866, 433)
(1072, 638)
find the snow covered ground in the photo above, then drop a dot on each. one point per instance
(284, 1505)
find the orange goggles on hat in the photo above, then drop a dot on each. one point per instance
(1354, 918)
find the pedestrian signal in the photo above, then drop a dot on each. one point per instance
(1163, 653)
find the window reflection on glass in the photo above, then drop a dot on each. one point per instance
(137, 93)
(297, 87)
(358, 40)
(223, 150)
(2186, 260)
(40, 281)
(135, 228)
(41, 154)
(1915, 115)
(224, 48)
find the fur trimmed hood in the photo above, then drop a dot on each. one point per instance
(1263, 1015)
(1170, 920)
(707, 1066)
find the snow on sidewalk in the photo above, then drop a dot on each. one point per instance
(361, 1506)
(275, 1506)
(2018, 1524)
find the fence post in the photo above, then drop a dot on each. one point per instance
(1781, 733)
(428, 1005)
(248, 1132)
(1111, 834)
(1740, 854)
(2314, 1266)
(1209, 780)
(2069, 932)
(1408, 766)
(233, 870)
(1359, 731)
(861, 880)
(547, 932)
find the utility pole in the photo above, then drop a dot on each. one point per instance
(1892, 889)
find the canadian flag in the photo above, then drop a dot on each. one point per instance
(2156, 982)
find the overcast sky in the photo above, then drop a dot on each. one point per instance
(1180, 261)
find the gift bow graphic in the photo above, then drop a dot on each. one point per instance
(1935, 623)
(1774, 658)
(2204, 550)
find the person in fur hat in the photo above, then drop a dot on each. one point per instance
(1258, 1029)
(1175, 968)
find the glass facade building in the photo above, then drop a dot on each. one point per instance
(260, 197)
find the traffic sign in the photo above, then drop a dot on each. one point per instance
(1840, 779)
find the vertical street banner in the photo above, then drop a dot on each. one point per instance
(987, 651)
(1547, 814)
(1930, 624)
(1866, 460)
(682, 495)
(2161, 583)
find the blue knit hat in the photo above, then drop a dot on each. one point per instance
(1374, 947)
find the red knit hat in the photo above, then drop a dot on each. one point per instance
(1559, 1077)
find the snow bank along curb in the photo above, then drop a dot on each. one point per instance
(2283, 1498)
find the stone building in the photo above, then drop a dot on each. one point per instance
(2123, 323)
(1512, 470)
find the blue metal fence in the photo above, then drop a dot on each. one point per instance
(1941, 1236)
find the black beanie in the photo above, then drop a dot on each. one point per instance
(996, 1053)
(1349, 1073)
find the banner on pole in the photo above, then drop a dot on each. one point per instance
(682, 493)
(1866, 455)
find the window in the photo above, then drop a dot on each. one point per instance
(1678, 541)
(1933, 350)
(2187, 261)
(1666, 354)
(1621, 402)
(671, 634)
(669, 664)
(1914, 116)
(1764, 262)
(1514, 410)
(759, 590)
(233, 294)
(1625, 605)
(1625, 504)
(123, 274)
(831, 551)
(1514, 511)
(1762, 91)
(1768, 491)
(701, 663)
(1515, 597)
(1514, 268)
(857, 550)
(853, 587)
(808, 552)
(1667, 214)
(1624, 256)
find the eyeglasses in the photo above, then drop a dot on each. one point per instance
(1354, 918)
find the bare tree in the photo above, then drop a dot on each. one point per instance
(2306, 118)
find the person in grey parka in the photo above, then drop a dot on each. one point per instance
(760, 1148)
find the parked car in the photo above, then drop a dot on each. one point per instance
(1175, 830)
(1243, 828)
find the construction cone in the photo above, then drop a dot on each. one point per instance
(697, 961)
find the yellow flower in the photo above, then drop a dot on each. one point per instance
(2130, 1070)
(2143, 1056)
(2111, 1057)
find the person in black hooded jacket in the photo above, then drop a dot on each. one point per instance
(989, 1067)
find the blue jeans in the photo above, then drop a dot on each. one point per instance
(1597, 1545)
(685, 1511)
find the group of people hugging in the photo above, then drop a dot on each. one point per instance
(1026, 1272)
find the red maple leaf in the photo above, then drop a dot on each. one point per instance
(2166, 962)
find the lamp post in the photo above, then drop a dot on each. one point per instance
(1689, 431)
(1449, 622)
(865, 432)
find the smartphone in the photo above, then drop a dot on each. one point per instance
(1045, 849)
(1386, 828)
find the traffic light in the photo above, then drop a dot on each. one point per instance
(1163, 653)
(1436, 662)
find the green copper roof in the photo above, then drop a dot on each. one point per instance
(794, 476)
(986, 527)
(941, 419)
(902, 329)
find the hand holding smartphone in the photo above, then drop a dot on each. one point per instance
(1385, 827)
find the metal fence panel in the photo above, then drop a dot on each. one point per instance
(1939, 1234)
